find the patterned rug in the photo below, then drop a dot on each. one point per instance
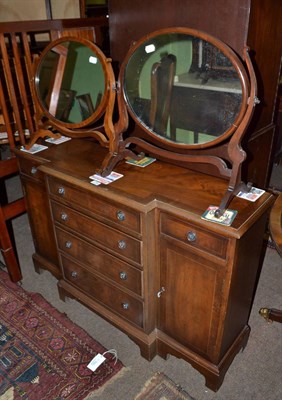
(43, 355)
(160, 387)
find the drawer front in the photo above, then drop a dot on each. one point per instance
(116, 300)
(117, 213)
(118, 242)
(190, 234)
(30, 168)
(97, 260)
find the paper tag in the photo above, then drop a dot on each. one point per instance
(143, 162)
(96, 362)
(107, 179)
(96, 183)
(252, 195)
(35, 148)
(225, 219)
(59, 140)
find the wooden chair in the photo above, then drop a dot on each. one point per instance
(20, 44)
(162, 77)
(275, 225)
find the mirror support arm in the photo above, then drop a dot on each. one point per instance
(235, 151)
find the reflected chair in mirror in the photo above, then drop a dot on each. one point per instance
(162, 78)
(64, 105)
(86, 105)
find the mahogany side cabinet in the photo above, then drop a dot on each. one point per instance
(138, 253)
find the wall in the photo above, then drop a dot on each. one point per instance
(27, 10)
(130, 20)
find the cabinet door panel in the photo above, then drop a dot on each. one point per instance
(190, 303)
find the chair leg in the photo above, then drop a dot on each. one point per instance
(8, 252)
(271, 314)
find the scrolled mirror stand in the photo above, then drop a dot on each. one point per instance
(99, 123)
(235, 154)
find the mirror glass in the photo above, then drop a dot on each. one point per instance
(70, 81)
(182, 88)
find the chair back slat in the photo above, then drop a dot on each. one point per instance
(8, 127)
(7, 63)
(23, 84)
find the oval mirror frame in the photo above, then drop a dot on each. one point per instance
(99, 57)
(221, 157)
(234, 61)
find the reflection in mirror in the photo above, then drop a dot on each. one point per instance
(182, 88)
(70, 81)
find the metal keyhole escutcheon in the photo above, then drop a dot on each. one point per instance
(160, 292)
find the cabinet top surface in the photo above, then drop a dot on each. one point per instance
(171, 188)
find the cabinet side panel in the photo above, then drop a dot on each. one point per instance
(247, 263)
(41, 221)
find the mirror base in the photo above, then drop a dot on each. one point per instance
(229, 194)
(41, 133)
(112, 159)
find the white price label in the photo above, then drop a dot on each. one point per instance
(96, 362)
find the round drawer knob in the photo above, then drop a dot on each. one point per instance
(74, 274)
(123, 275)
(191, 236)
(121, 244)
(33, 170)
(120, 216)
(64, 216)
(125, 306)
(68, 244)
(61, 191)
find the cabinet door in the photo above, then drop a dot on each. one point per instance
(46, 255)
(191, 297)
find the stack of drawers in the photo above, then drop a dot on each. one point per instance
(100, 248)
